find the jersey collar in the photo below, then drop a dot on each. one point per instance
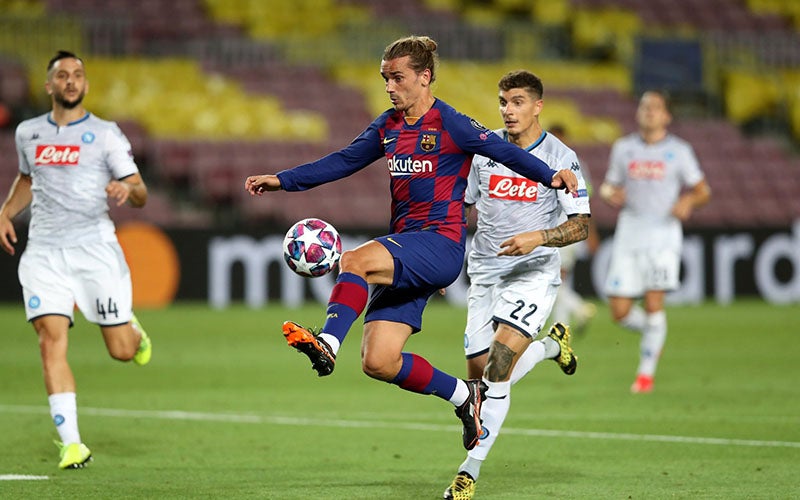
(532, 146)
(79, 120)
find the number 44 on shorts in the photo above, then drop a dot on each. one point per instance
(104, 311)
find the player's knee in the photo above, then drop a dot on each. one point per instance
(377, 369)
(122, 349)
(350, 262)
(618, 316)
(619, 311)
(51, 344)
(366, 260)
(121, 353)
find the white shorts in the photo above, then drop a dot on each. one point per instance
(523, 302)
(94, 277)
(634, 272)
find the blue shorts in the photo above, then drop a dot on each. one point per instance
(424, 262)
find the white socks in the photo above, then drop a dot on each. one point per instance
(635, 320)
(653, 327)
(493, 412)
(653, 337)
(530, 358)
(332, 341)
(498, 401)
(460, 394)
(64, 410)
(471, 466)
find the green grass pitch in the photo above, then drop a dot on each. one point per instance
(227, 410)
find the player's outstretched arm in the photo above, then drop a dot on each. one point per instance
(258, 184)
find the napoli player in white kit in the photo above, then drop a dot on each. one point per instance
(654, 177)
(70, 164)
(514, 265)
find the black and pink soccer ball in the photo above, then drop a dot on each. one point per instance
(312, 248)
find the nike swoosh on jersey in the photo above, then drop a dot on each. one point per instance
(396, 243)
(387, 140)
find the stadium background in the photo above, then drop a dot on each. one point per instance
(209, 91)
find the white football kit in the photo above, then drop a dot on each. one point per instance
(517, 290)
(72, 255)
(648, 239)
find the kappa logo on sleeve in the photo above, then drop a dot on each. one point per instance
(57, 156)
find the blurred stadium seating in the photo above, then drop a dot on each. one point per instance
(209, 91)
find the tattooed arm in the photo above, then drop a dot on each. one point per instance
(576, 228)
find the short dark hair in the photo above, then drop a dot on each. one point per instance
(522, 79)
(62, 54)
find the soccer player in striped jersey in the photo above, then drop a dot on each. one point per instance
(514, 264)
(70, 163)
(428, 148)
(646, 174)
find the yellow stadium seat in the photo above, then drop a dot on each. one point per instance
(305, 19)
(749, 95)
(551, 12)
(610, 30)
(27, 8)
(174, 98)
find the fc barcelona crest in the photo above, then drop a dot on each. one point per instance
(427, 142)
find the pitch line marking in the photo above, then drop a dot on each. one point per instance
(377, 424)
(21, 477)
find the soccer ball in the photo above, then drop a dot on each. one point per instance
(312, 248)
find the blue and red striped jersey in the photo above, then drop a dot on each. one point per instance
(428, 163)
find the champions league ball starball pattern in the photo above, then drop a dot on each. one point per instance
(312, 248)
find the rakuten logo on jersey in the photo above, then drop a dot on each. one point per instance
(409, 166)
(513, 188)
(57, 155)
